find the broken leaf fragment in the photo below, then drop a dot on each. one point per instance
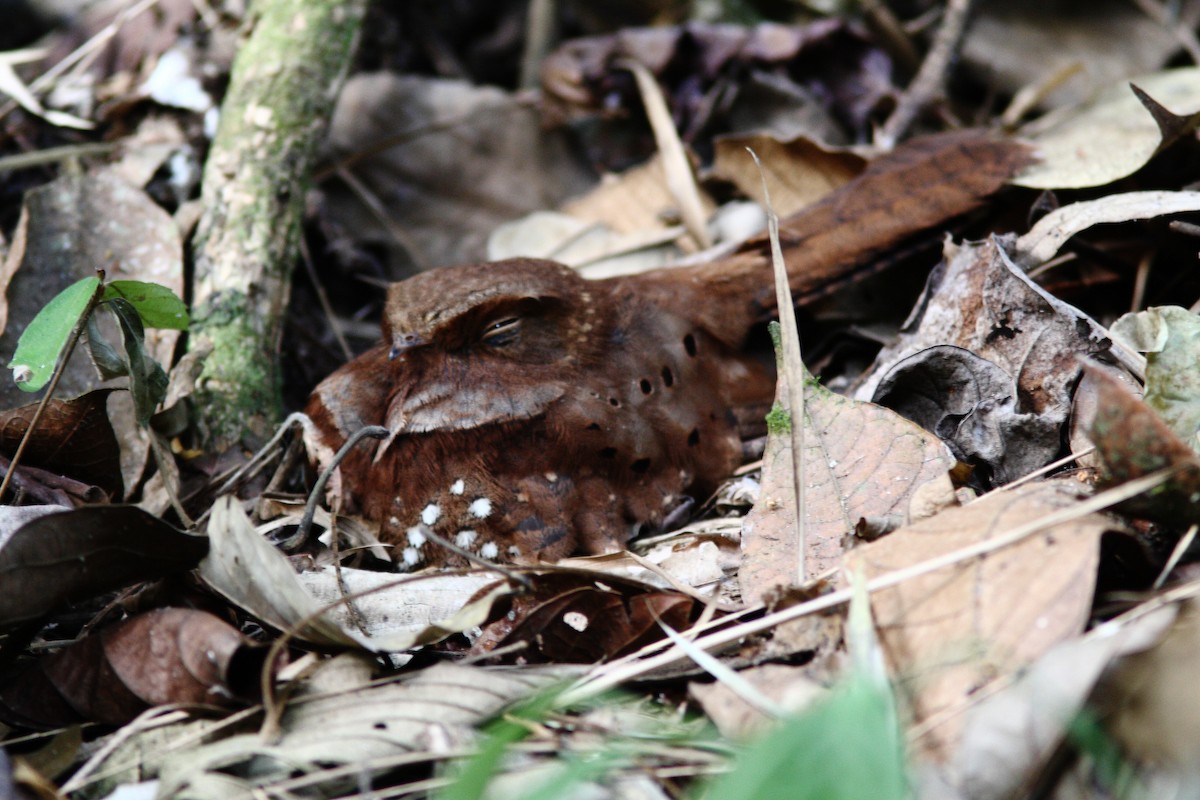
(44, 340)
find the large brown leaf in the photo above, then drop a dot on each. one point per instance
(949, 633)
(861, 460)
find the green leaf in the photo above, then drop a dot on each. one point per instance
(106, 358)
(147, 380)
(1170, 338)
(157, 305)
(43, 341)
(845, 748)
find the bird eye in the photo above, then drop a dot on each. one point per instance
(501, 331)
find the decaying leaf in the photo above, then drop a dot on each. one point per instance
(1133, 441)
(69, 555)
(585, 76)
(861, 460)
(449, 162)
(1009, 736)
(948, 633)
(1023, 339)
(171, 655)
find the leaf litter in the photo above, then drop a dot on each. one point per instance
(996, 628)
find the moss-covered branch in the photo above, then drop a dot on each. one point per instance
(280, 97)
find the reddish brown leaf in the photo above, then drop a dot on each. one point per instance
(571, 617)
(171, 655)
(73, 438)
(1133, 441)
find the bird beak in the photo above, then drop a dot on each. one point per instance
(403, 342)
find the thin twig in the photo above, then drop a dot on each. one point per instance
(930, 81)
(318, 490)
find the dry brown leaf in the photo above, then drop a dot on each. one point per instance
(798, 171)
(860, 460)
(949, 633)
(791, 688)
(1009, 736)
(1133, 441)
(169, 655)
(636, 201)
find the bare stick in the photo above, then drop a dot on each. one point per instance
(931, 78)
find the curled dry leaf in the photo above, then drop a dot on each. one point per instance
(1023, 346)
(69, 555)
(244, 568)
(171, 655)
(948, 633)
(861, 460)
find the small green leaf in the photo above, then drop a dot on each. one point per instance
(147, 380)
(43, 341)
(157, 305)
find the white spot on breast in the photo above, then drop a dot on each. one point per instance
(431, 513)
(480, 508)
(465, 539)
(489, 550)
(576, 620)
(551, 476)
(458, 487)
(415, 537)
(411, 556)
(394, 522)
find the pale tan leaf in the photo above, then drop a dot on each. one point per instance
(1109, 136)
(244, 568)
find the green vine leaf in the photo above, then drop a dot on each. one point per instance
(157, 305)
